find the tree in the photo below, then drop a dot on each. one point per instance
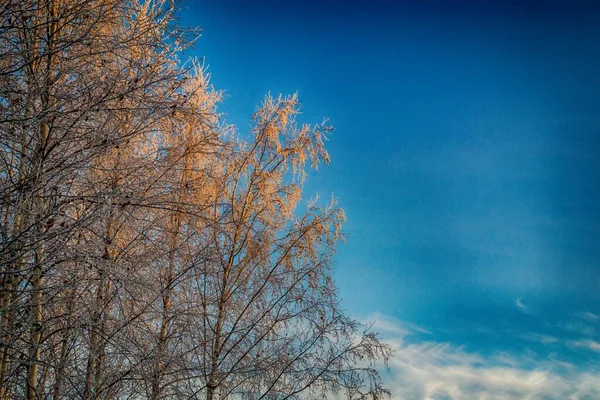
(82, 83)
(147, 250)
(272, 322)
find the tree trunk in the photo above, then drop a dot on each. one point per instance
(37, 277)
(162, 338)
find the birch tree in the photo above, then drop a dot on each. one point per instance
(147, 250)
(80, 80)
(272, 325)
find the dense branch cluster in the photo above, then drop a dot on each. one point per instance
(148, 251)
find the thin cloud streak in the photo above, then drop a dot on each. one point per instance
(586, 344)
(590, 316)
(536, 337)
(521, 306)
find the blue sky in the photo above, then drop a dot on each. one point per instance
(465, 156)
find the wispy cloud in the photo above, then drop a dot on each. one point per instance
(536, 337)
(521, 306)
(590, 316)
(431, 370)
(586, 344)
(578, 327)
(391, 326)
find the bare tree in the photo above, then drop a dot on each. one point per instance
(272, 322)
(147, 251)
(87, 88)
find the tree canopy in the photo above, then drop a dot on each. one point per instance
(148, 249)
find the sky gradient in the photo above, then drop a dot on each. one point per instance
(465, 156)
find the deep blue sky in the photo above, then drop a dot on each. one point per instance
(465, 156)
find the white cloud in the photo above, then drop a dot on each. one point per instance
(435, 370)
(521, 306)
(590, 316)
(587, 344)
(578, 327)
(536, 337)
(392, 326)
